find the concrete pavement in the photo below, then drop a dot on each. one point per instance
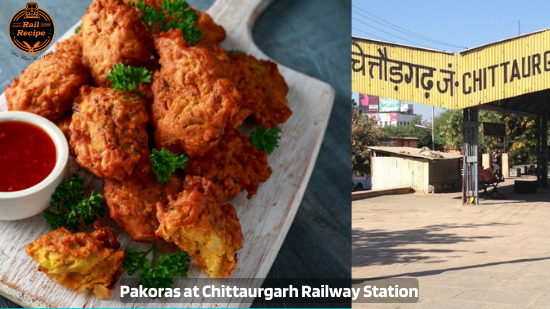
(493, 255)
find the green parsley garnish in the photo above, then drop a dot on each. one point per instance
(235, 51)
(127, 78)
(77, 29)
(165, 162)
(151, 16)
(180, 16)
(265, 139)
(71, 206)
(159, 272)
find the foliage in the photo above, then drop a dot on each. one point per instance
(165, 162)
(424, 134)
(364, 133)
(265, 139)
(151, 16)
(520, 134)
(157, 272)
(180, 16)
(448, 129)
(127, 78)
(71, 207)
(521, 139)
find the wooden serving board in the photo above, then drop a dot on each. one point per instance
(265, 219)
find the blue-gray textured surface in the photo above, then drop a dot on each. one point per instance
(309, 36)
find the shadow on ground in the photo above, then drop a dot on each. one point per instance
(509, 196)
(440, 271)
(380, 247)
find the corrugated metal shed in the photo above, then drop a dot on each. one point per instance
(414, 153)
(397, 167)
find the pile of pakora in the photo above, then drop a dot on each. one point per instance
(197, 98)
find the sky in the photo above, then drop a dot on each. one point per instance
(446, 25)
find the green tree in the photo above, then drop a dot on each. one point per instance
(520, 134)
(411, 130)
(521, 139)
(364, 133)
(449, 128)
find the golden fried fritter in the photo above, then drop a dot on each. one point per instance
(113, 32)
(193, 100)
(48, 86)
(132, 202)
(212, 33)
(72, 45)
(208, 232)
(109, 131)
(80, 261)
(243, 77)
(233, 165)
(262, 87)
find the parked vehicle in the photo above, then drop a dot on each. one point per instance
(360, 183)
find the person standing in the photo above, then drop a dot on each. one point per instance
(495, 159)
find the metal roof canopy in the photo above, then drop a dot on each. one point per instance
(511, 76)
(530, 104)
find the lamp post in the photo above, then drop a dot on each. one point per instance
(432, 128)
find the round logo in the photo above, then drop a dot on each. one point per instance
(31, 29)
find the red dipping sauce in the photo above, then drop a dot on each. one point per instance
(27, 155)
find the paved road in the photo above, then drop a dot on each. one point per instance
(494, 255)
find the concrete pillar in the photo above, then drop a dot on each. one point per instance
(486, 160)
(505, 165)
(544, 150)
(470, 157)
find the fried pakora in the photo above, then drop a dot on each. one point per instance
(113, 32)
(109, 131)
(263, 88)
(193, 100)
(71, 45)
(80, 261)
(243, 77)
(233, 165)
(209, 232)
(212, 33)
(132, 202)
(48, 86)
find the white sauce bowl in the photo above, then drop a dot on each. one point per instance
(32, 201)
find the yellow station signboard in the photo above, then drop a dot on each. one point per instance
(473, 77)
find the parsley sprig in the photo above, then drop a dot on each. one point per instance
(151, 16)
(265, 139)
(235, 51)
(165, 162)
(158, 272)
(180, 16)
(127, 78)
(71, 207)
